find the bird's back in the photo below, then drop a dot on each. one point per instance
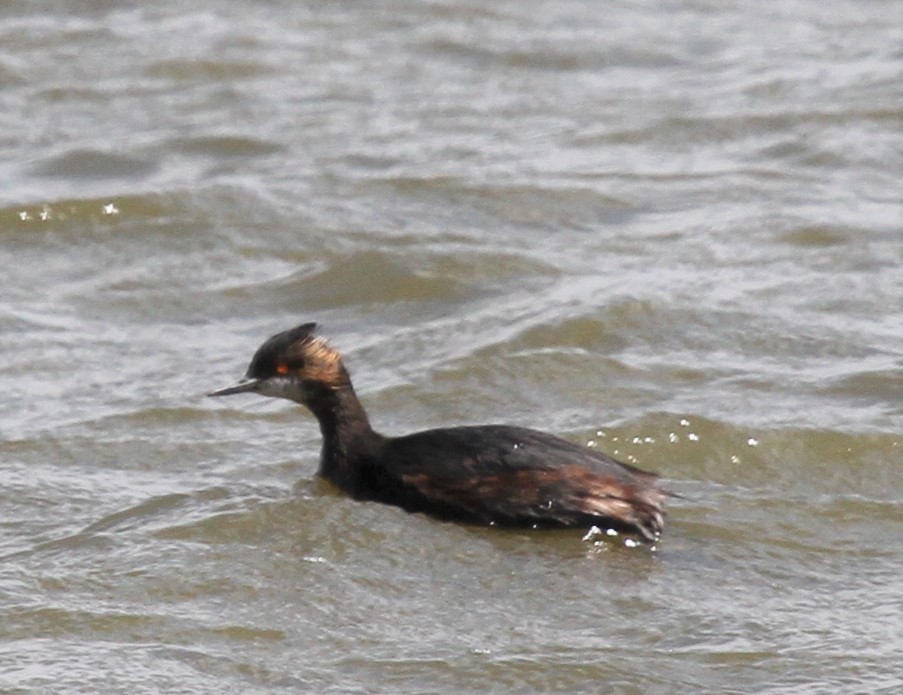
(513, 476)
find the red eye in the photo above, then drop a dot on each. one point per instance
(282, 368)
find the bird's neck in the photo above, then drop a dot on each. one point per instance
(348, 438)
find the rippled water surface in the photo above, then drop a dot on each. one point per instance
(671, 230)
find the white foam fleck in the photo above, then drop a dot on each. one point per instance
(593, 533)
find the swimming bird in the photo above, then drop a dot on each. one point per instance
(486, 474)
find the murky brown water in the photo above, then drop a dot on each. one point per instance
(673, 230)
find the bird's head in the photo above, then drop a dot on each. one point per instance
(294, 364)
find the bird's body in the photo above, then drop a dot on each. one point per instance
(489, 474)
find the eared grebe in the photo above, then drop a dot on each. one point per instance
(493, 474)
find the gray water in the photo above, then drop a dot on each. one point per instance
(670, 230)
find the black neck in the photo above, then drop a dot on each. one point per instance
(348, 437)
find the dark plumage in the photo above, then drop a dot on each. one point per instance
(494, 474)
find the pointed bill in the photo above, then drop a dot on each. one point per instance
(246, 385)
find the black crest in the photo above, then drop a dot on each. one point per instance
(273, 351)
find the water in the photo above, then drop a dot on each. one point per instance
(671, 230)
